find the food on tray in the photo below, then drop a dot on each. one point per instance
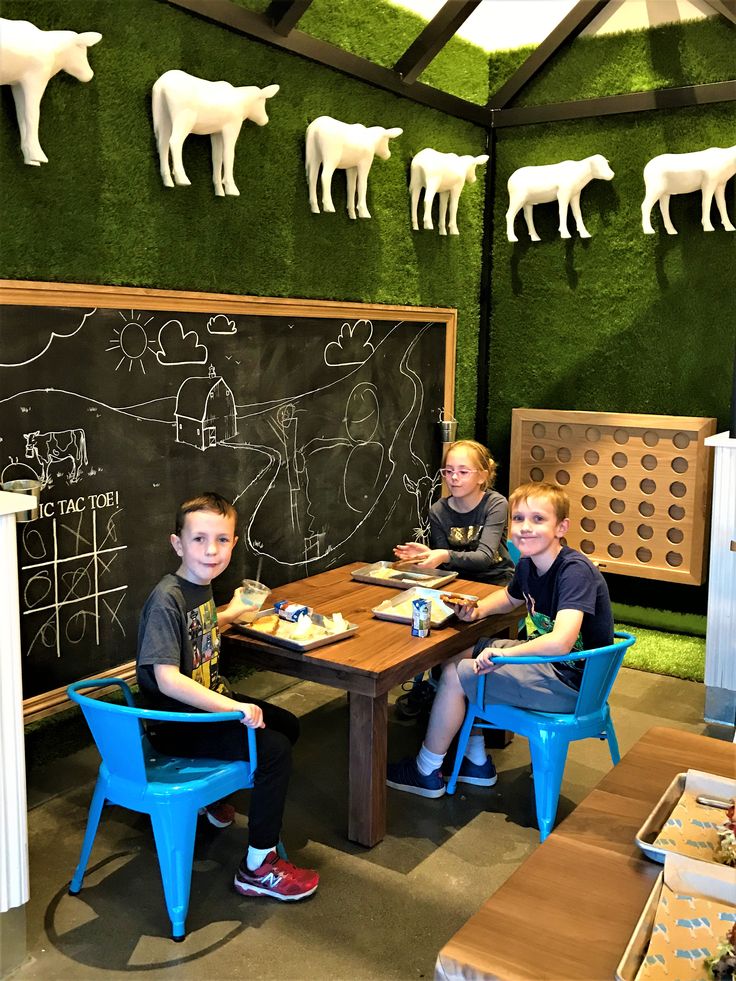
(303, 630)
(722, 966)
(457, 599)
(726, 849)
(384, 572)
(696, 831)
(405, 609)
(267, 625)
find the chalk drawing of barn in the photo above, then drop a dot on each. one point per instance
(205, 411)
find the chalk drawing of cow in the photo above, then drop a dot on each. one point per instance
(29, 58)
(443, 173)
(333, 145)
(706, 171)
(424, 489)
(561, 181)
(184, 104)
(51, 448)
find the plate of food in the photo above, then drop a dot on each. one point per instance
(400, 610)
(402, 575)
(308, 632)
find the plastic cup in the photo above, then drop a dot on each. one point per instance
(252, 595)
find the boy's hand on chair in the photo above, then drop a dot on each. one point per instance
(252, 716)
(483, 662)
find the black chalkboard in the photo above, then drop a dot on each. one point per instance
(319, 422)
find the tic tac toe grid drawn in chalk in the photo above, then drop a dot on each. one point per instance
(639, 485)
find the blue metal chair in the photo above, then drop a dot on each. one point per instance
(170, 789)
(550, 734)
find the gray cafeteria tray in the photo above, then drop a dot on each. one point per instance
(386, 610)
(295, 645)
(412, 575)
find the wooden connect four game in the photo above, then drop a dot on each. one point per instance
(639, 485)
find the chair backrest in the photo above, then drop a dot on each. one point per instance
(116, 729)
(514, 553)
(601, 667)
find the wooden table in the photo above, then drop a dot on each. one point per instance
(569, 910)
(378, 657)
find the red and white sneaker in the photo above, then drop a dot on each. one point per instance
(276, 878)
(221, 814)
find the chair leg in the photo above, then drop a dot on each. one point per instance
(549, 754)
(462, 743)
(174, 830)
(612, 741)
(93, 820)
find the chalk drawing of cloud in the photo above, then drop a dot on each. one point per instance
(178, 347)
(220, 324)
(35, 343)
(353, 345)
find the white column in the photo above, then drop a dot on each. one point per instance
(720, 640)
(13, 817)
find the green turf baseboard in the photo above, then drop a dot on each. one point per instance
(692, 624)
(676, 655)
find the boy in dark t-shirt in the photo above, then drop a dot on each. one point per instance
(567, 601)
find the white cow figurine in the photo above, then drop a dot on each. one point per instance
(333, 145)
(561, 181)
(184, 104)
(29, 57)
(680, 173)
(443, 173)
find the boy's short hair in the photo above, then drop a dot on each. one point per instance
(209, 501)
(553, 493)
(481, 455)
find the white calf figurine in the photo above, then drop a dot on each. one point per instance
(680, 173)
(29, 57)
(333, 145)
(184, 104)
(562, 181)
(446, 173)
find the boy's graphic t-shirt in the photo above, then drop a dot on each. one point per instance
(178, 626)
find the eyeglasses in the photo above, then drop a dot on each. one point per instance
(461, 472)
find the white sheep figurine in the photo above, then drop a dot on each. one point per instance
(562, 182)
(443, 173)
(29, 58)
(333, 145)
(184, 104)
(680, 173)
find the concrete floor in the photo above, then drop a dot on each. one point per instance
(379, 913)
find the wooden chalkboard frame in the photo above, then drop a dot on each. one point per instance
(32, 293)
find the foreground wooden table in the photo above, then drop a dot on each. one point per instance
(569, 910)
(378, 657)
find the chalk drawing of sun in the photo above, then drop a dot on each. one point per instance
(132, 340)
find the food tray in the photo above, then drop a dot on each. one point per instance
(699, 783)
(403, 578)
(684, 875)
(388, 609)
(295, 645)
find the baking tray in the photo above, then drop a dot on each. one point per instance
(404, 578)
(295, 645)
(387, 609)
(699, 783)
(686, 875)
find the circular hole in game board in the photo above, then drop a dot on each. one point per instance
(678, 489)
(537, 453)
(565, 432)
(649, 461)
(676, 512)
(587, 546)
(650, 438)
(616, 528)
(588, 524)
(645, 532)
(590, 480)
(564, 455)
(615, 550)
(647, 486)
(539, 430)
(592, 434)
(620, 459)
(680, 464)
(618, 482)
(675, 535)
(643, 554)
(591, 457)
(617, 505)
(589, 502)
(646, 509)
(621, 436)
(536, 474)
(681, 441)
(562, 477)
(673, 558)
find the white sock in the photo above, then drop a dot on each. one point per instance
(476, 749)
(428, 762)
(257, 856)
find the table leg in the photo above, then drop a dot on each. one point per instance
(367, 768)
